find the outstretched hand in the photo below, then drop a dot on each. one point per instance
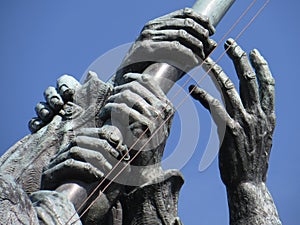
(246, 123)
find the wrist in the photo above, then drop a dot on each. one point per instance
(251, 203)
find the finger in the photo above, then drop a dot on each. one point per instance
(181, 36)
(233, 102)
(53, 98)
(134, 101)
(139, 89)
(219, 114)
(171, 52)
(149, 83)
(189, 25)
(248, 84)
(66, 86)
(70, 170)
(190, 13)
(110, 133)
(96, 144)
(122, 116)
(44, 111)
(35, 124)
(114, 136)
(95, 158)
(158, 99)
(265, 80)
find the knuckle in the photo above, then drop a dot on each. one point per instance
(205, 33)
(270, 81)
(248, 118)
(204, 19)
(126, 94)
(240, 53)
(187, 11)
(105, 144)
(147, 33)
(249, 75)
(120, 107)
(214, 102)
(217, 69)
(176, 44)
(151, 22)
(69, 163)
(272, 118)
(100, 157)
(168, 106)
(200, 44)
(182, 33)
(228, 84)
(146, 78)
(234, 127)
(74, 151)
(236, 51)
(87, 166)
(189, 23)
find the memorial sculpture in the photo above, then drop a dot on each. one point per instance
(83, 132)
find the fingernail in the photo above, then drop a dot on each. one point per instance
(115, 138)
(115, 153)
(108, 165)
(45, 113)
(229, 43)
(234, 49)
(56, 103)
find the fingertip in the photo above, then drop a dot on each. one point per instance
(44, 111)
(209, 64)
(131, 76)
(53, 98)
(233, 49)
(191, 88)
(35, 124)
(195, 91)
(67, 85)
(256, 58)
(230, 42)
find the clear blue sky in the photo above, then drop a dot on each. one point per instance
(41, 40)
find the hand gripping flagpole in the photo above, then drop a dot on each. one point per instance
(165, 74)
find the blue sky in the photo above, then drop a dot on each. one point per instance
(41, 40)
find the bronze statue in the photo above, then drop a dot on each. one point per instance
(82, 132)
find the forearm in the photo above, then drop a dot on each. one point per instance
(251, 203)
(154, 203)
